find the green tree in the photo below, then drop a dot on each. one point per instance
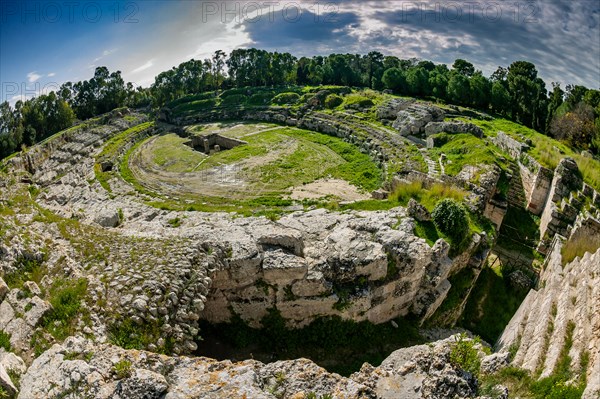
(463, 67)
(500, 99)
(395, 80)
(459, 89)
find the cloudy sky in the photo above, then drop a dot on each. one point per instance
(45, 43)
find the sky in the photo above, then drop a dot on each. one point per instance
(46, 43)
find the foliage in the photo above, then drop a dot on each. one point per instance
(340, 345)
(128, 335)
(451, 218)
(5, 341)
(122, 369)
(286, 98)
(333, 100)
(428, 197)
(466, 149)
(465, 355)
(578, 246)
(25, 270)
(66, 298)
(492, 303)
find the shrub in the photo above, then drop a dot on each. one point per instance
(286, 98)
(357, 101)
(464, 354)
(333, 100)
(234, 99)
(261, 98)
(122, 369)
(451, 218)
(66, 298)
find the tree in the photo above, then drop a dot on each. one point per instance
(218, 64)
(500, 99)
(417, 81)
(576, 127)
(480, 91)
(395, 80)
(463, 67)
(528, 93)
(555, 101)
(459, 89)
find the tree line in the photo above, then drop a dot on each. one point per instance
(515, 92)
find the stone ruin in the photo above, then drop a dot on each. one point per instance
(212, 143)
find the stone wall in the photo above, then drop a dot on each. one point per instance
(358, 269)
(568, 297)
(562, 205)
(530, 179)
(536, 183)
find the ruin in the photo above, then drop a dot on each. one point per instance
(211, 143)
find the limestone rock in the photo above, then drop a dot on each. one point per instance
(418, 211)
(6, 382)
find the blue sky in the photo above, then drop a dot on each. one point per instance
(45, 43)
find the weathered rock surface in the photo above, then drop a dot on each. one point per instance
(567, 300)
(79, 368)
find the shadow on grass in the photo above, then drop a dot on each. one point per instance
(491, 305)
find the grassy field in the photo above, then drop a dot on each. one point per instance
(249, 178)
(466, 149)
(546, 150)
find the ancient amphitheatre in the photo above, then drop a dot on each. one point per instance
(260, 235)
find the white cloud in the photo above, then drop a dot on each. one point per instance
(33, 76)
(143, 67)
(51, 74)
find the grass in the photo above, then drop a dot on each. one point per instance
(315, 156)
(66, 297)
(428, 197)
(338, 345)
(466, 149)
(461, 282)
(26, 270)
(428, 231)
(578, 246)
(169, 152)
(128, 335)
(5, 341)
(122, 369)
(519, 231)
(116, 143)
(491, 305)
(546, 150)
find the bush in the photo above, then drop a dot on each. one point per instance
(464, 354)
(261, 98)
(451, 218)
(234, 99)
(286, 98)
(356, 101)
(333, 100)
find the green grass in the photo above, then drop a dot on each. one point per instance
(128, 335)
(26, 270)
(461, 282)
(546, 150)
(428, 197)
(172, 155)
(66, 297)
(519, 231)
(340, 346)
(466, 149)
(428, 231)
(116, 143)
(315, 156)
(122, 369)
(5, 341)
(578, 246)
(491, 305)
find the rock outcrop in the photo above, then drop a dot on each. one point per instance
(561, 317)
(79, 368)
